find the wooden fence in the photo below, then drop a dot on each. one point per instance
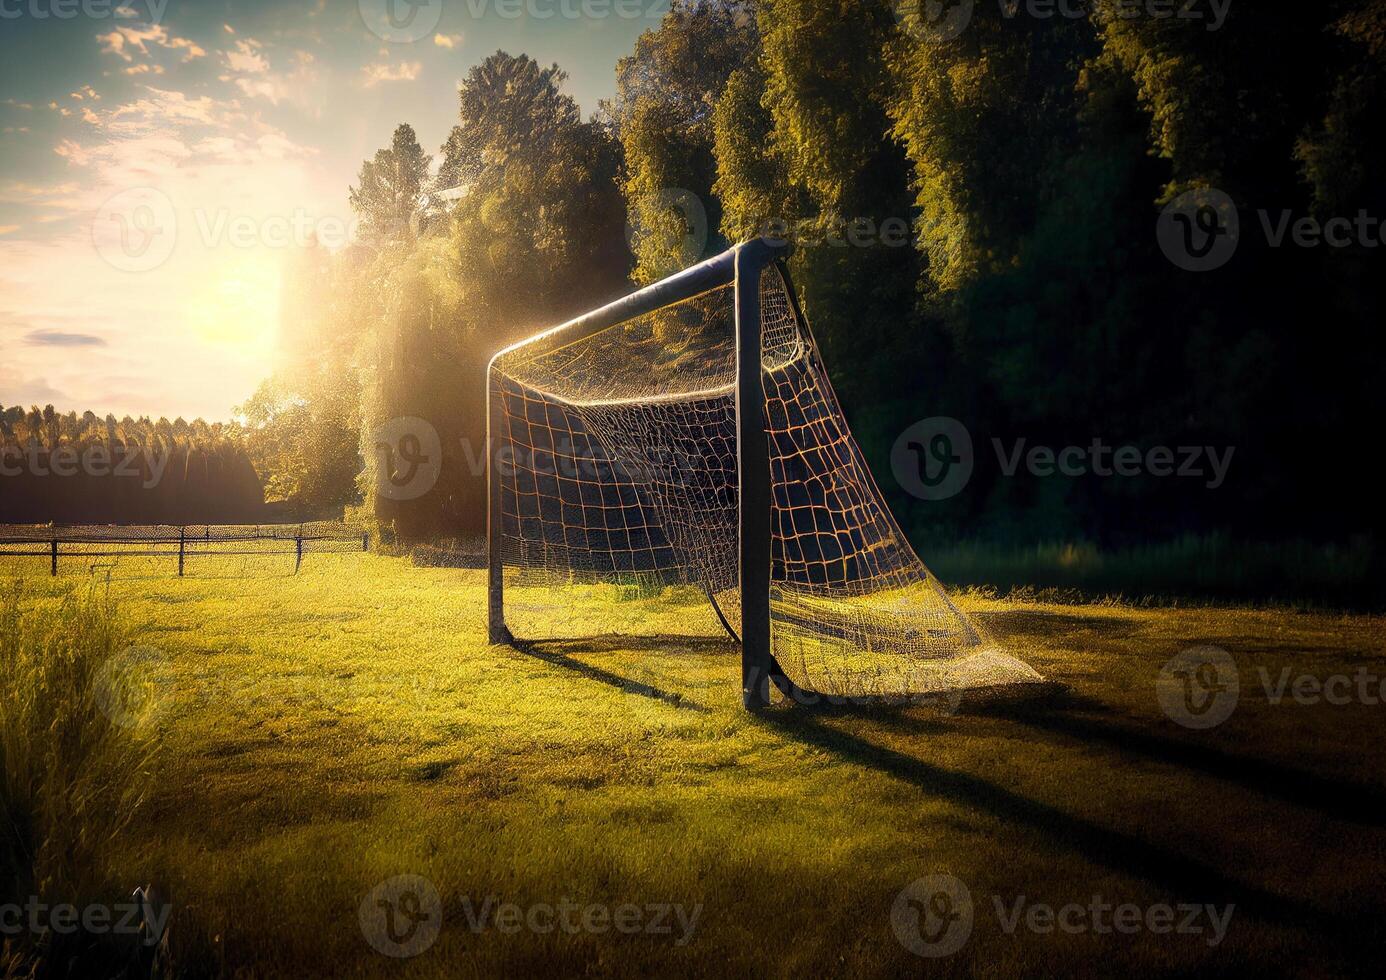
(163, 541)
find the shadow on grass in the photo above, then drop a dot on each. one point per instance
(559, 653)
(1075, 718)
(1178, 874)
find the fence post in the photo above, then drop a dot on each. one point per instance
(298, 556)
(55, 555)
(182, 539)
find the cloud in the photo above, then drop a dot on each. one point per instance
(124, 42)
(405, 71)
(16, 391)
(22, 192)
(56, 338)
(6, 229)
(167, 106)
(448, 40)
(250, 71)
(60, 197)
(246, 57)
(258, 88)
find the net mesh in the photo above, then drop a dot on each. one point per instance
(618, 482)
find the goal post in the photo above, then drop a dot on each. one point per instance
(753, 471)
(677, 462)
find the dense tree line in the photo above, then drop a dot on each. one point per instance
(1028, 160)
(520, 227)
(73, 469)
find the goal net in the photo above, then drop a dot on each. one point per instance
(616, 496)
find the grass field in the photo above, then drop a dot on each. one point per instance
(322, 733)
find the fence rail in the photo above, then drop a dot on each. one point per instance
(169, 541)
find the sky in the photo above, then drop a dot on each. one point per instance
(160, 160)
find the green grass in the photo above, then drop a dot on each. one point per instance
(321, 733)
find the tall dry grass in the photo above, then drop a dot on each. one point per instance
(74, 756)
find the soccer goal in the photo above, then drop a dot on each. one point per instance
(677, 463)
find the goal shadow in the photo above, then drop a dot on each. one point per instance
(1090, 721)
(1117, 851)
(565, 653)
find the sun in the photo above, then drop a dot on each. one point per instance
(236, 303)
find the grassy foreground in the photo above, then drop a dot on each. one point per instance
(324, 733)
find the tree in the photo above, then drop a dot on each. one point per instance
(543, 211)
(536, 238)
(386, 199)
(667, 91)
(805, 153)
(302, 437)
(1343, 156)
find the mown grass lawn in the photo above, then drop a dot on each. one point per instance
(320, 734)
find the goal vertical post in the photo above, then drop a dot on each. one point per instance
(495, 516)
(753, 475)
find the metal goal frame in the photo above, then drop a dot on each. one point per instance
(742, 267)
